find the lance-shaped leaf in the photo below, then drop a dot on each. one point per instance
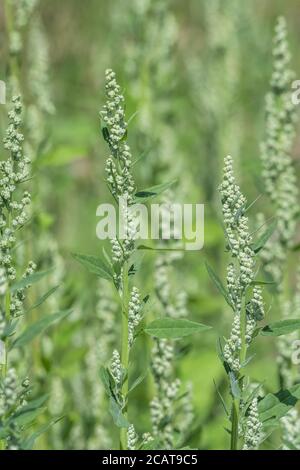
(137, 381)
(107, 380)
(116, 413)
(29, 442)
(28, 280)
(218, 283)
(150, 193)
(43, 298)
(262, 283)
(262, 240)
(28, 413)
(169, 328)
(38, 327)
(234, 385)
(274, 406)
(158, 248)
(283, 327)
(95, 265)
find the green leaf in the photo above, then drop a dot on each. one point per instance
(39, 327)
(221, 399)
(28, 412)
(152, 192)
(138, 381)
(153, 444)
(10, 328)
(36, 403)
(280, 328)
(218, 283)
(29, 442)
(28, 280)
(4, 432)
(28, 416)
(106, 379)
(262, 283)
(234, 385)
(158, 248)
(117, 415)
(170, 328)
(105, 134)
(43, 298)
(262, 240)
(95, 265)
(274, 406)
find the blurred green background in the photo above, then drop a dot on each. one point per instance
(196, 72)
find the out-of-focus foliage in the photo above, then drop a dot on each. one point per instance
(195, 75)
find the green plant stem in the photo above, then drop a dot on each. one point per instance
(124, 351)
(235, 424)
(7, 306)
(7, 318)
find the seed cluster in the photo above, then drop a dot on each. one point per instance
(290, 425)
(134, 314)
(236, 224)
(118, 168)
(172, 304)
(290, 308)
(12, 397)
(162, 405)
(13, 202)
(253, 434)
(240, 272)
(278, 169)
(116, 368)
(23, 10)
(233, 345)
(118, 165)
(131, 437)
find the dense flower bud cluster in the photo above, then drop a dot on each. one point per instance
(240, 272)
(278, 170)
(116, 368)
(290, 425)
(121, 184)
(253, 433)
(255, 312)
(118, 168)
(160, 409)
(131, 437)
(134, 314)
(12, 397)
(40, 106)
(118, 165)
(167, 392)
(233, 287)
(13, 202)
(233, 345)
(172, 304)
(22, 10)
(10, 389)
(286, 343)
(236, 225)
